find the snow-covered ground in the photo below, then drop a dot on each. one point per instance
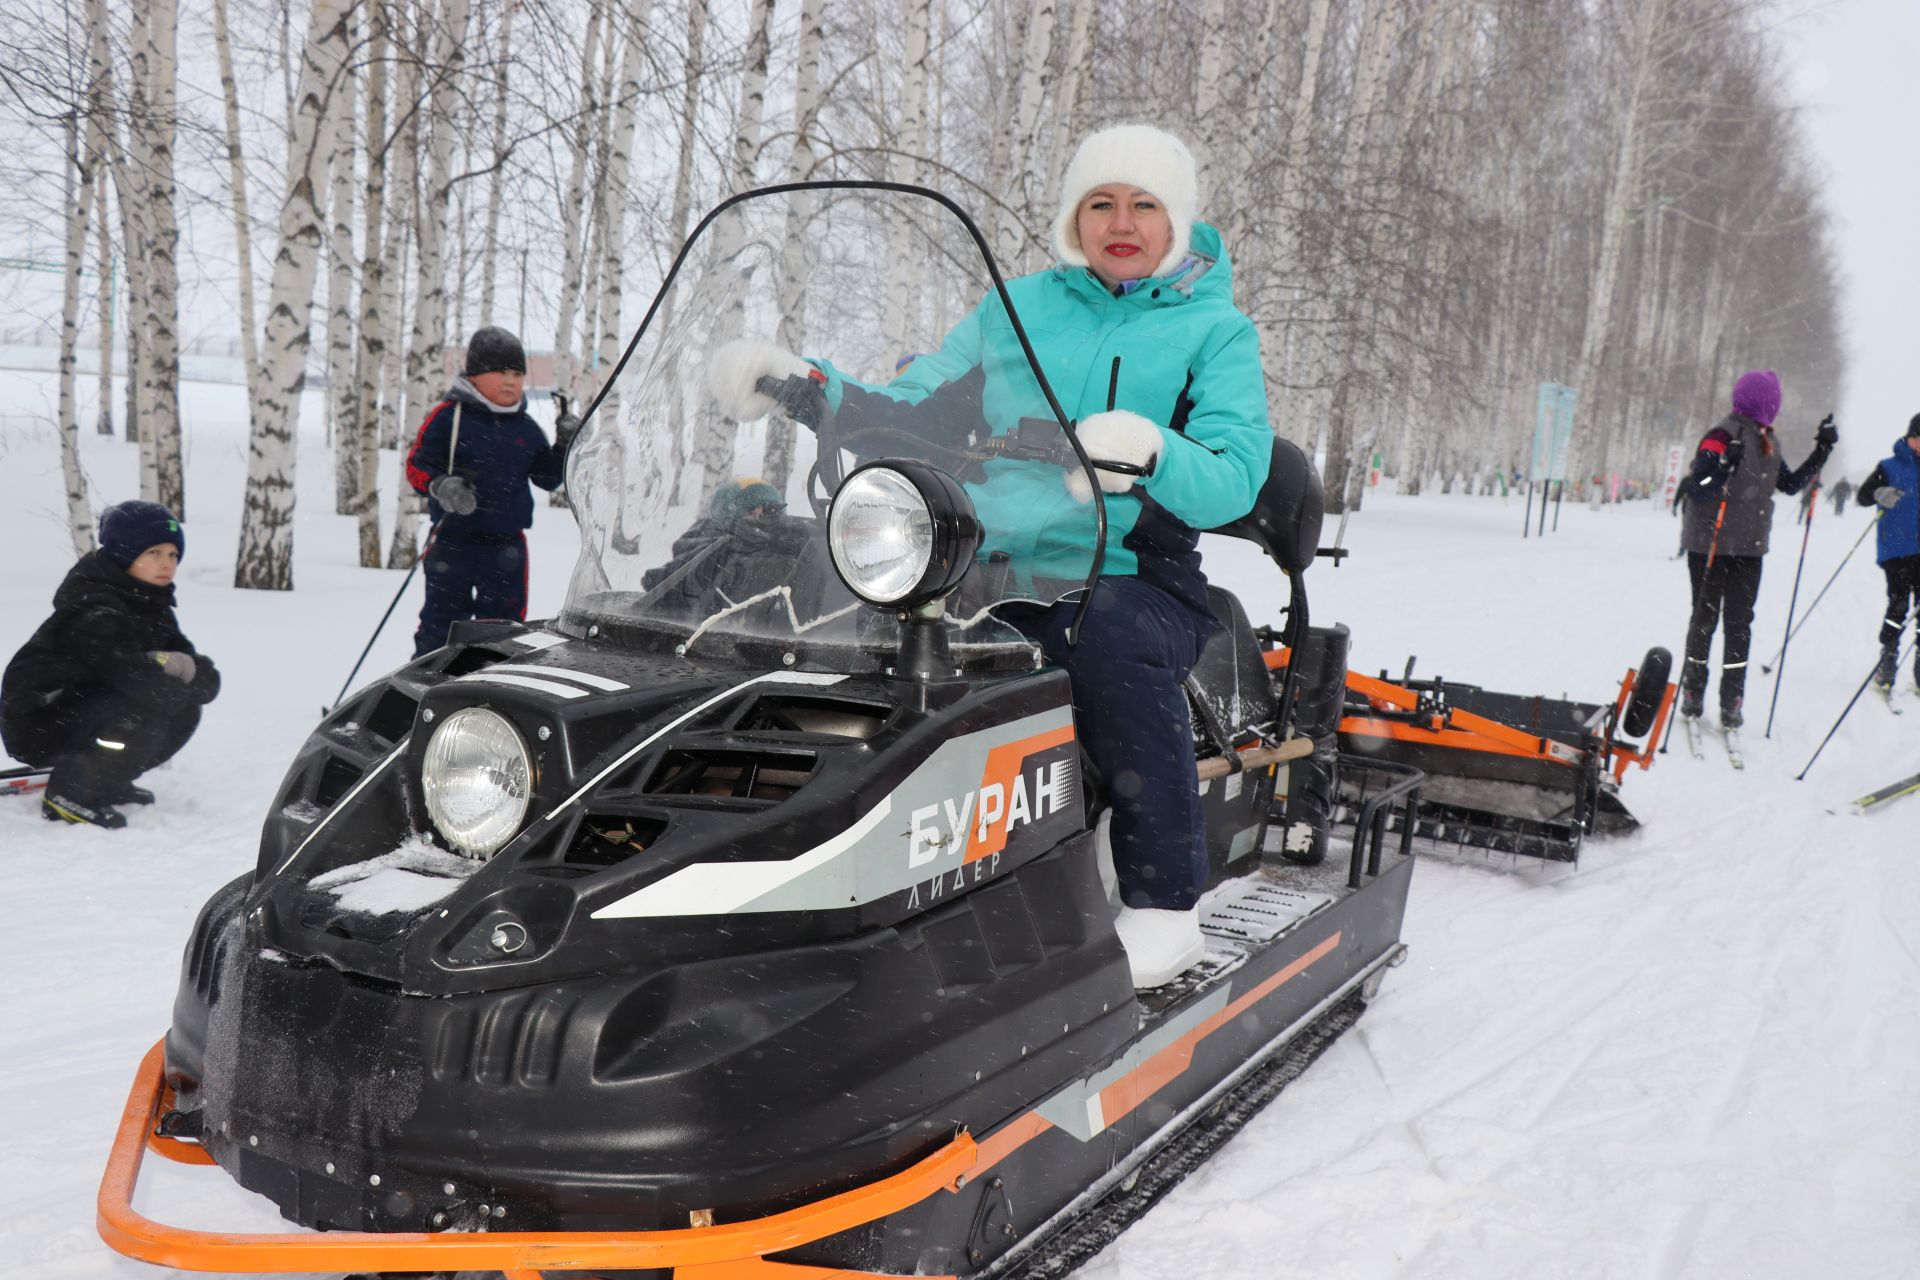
(1693, 1056)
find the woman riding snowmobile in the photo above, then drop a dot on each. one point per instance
(1137, 329)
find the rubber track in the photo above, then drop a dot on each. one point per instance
(1099, 1225)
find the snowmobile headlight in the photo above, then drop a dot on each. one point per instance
(901, 533)
(478, 780)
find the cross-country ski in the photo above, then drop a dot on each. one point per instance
(1892, 791)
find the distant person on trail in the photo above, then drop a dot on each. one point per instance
(108, 687)
(1894, 487)
(1728, 517)
(1842, 490)
(473, 457)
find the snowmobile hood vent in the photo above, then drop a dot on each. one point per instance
(739, 776)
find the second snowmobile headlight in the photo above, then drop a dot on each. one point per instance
(478, 780)
(901, 533)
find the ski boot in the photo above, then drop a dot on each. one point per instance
(58, 808)
(1730, 716)
(1888, 669)
(131, 794)
(1693, 703)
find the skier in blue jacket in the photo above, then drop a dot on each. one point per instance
(1140, 279)
(473, 457)
(1894, 487)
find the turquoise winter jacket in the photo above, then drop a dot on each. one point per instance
(1189, 362)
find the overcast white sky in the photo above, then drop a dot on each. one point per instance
(1856, 66)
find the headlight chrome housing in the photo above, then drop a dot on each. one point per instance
(901, 533)
(478, 781)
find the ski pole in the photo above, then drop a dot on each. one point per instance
(1766, 668)
(1793, 599)
(394, 603)
(1801, 776)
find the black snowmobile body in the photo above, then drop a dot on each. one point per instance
(788, 922)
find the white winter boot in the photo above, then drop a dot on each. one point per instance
(1161, 945)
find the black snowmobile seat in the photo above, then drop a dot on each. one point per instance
(1287, 512)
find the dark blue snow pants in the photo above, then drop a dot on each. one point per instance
(471, 578)
(1132, 718)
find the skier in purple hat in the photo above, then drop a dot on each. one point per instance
(1728, 515)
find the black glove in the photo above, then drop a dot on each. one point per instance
(1887, 498)
(1729, 461)
(454, 494)
(1826, 433)
(566, 424)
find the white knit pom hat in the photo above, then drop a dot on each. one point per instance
(1140, 156)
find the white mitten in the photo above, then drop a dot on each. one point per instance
(1114, 435)
(736, 366)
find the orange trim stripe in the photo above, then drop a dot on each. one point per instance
(1003, 766)
(1121, 1097)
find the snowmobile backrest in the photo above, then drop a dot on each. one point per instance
(1286, 515)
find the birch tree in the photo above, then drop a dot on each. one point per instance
(426, 350)
(496, 187)
(571, 264)
(714, 445)
(778, 460)
(903, 166)
(343, 403)
(242, 219)
(81, 173)
(374, 292)
(156, 64)
(265, 557)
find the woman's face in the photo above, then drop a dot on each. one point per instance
(1124, 232)
(156, 565)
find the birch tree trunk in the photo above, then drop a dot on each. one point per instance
(1066, 128)
(1036, 77)
(79, 206)
(108, 289)
(490, 245)
(613, 192)
(374, 292)
(1596, 331)
(129, 176)
(343, 403)
(242, 219)
(1292, 418)
(99, 76)
(426, 353)
(904, 166)
(1209, 84)
(160, 396)
(265, 557)
(572, 266)
(778, 461)
(411, 43)
(714, 446)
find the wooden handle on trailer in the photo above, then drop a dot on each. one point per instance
(1258, 758)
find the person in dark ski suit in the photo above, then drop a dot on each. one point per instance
(1894, 487)
(751, 500)
(1727, 520)
(108, 687)
(473, 457)
(1842, 490)
(1138, 276)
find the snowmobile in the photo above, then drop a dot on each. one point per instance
(754, 924)
(1503, 772)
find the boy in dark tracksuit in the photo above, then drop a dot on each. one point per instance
(473, 457)
(108, 687)
(1738, 461)
(1894, 487)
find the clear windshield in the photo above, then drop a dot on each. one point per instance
(701, 482)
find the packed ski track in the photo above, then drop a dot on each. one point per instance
(1692, 1055)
